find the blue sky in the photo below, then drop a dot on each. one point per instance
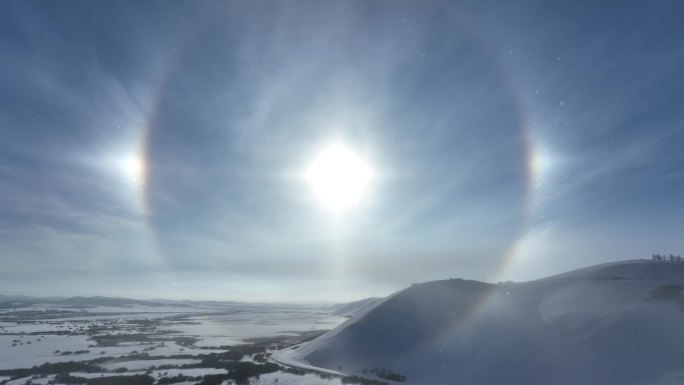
(157, 149)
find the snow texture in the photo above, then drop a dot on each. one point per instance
(618, 323)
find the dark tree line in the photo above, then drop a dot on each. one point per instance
(668, 258)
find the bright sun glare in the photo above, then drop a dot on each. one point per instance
(339, 178)
(132, 167)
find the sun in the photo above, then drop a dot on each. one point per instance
(339, 178)
(133, 167)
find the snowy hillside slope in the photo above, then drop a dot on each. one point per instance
(618, 323)
(357, 308)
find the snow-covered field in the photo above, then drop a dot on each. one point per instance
(151, 341)
(292, 379)
(619, 323)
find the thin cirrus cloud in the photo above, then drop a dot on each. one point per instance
(168, 143)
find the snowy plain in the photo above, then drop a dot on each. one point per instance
(157, 341)
(618, 323)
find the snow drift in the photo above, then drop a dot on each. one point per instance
(619, 323)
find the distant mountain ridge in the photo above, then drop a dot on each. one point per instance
(618, 323)
(23, 301)
(78, 301)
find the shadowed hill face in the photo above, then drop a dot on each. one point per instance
(614, 323)
(404, 322)
(356, 308)
(422, 311)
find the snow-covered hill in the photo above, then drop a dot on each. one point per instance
(618, 323)
(357, 308)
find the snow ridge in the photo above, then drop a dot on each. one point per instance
(616, 323)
